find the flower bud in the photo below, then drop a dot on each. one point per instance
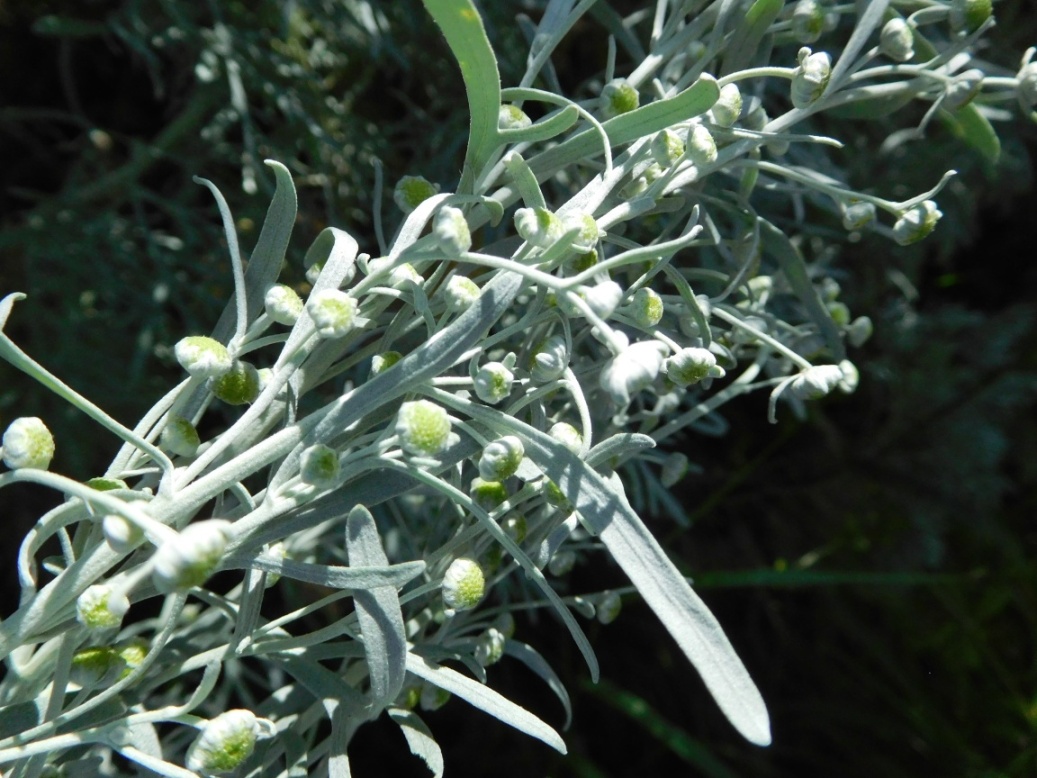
(333, 312)
(1026, 86)
(567, 435)
(97, 666)
(646, 307)
(225, 742)
(857, 214)
(188, 559)
(282, 304)
(815, 382)
(451, 230)
(501, 458)
(493, 382)
(487, 494)
(433, 698)
(897, 41)
(203, 357)
(511, 117)
(667, 147)
(28, 443)
(851, 377)
(808, 21)
(587, 238)
(382, 362)
(962, 90)
(121, 533)
(539, 227)
(630, 371)
(422, 427)
(402, 276)
(608, 607)
(103, 484)
(550, 360)
(728, 107)
(319, 466)
(675, 467)
(691, 365)
(810, 78)
(859, 330)
(702, 148)
(489, 647)
(969, 15)
(100, 607)
(516, 526)
(460, 293)
(239, 386)
(463, 585)
(916, 223)
(412, 191)
(179, 437)
(562, 562)
(618, 96)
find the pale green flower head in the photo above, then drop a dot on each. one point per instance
(202, 356)
(489, 647)
(501, 458)
(239, 386)
(101, 607)
(646, 307)
(487, 494)
(225, 742)
(566, 434)
(667, 147)
(511, 117)
(816, 382)
(811, 77)
(179, 437)
(691, 365)
(550, 359)
(702, 147)
(916, 223)
(120, 533)
(27, 443)
(382, 362)
(539, 227)
(282, 304)
(451, 230)
(463, 585)
(412, 191)
(333, 312)
(189, 558)
(857, 215)
(493, 382)
(460, 293)
(618, 96)
(422, 427)
(897, 41)
(319, 466)
(728, 107)
(808, 21)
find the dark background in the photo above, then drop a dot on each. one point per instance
(873, 564)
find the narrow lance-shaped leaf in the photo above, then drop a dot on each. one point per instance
(419, 739)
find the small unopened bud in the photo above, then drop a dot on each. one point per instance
(646, 307)
(28, 444)
(618, 97)
(412, 191)
(402, 276)
(382, 362)
(239, 386)
(97, 666)
(463, 585)
(916, 223)
(511, 117)
(667, 148)
(851, 377)
(562, 562)
(815, 382)
(857, 215)
(226, 741)
(179, 437)
(702, 148)
(103, 484)
(501, 458)
(100, 607)
(203, 357)
(488, 494)
(282, 304)
(493, 382)
(728, 107)
(433, 698)
(422, 427)
(490, 647)
(121, 533)
(633, 369)
(859, 330)
(962, 90)
(190, 557)
(460, 293)
(319, 466)
(897, 41)
(675, 467)
(566, 434)
(808, 21)
(691, 365)
(969, 15)
(550, 360)
(539, 227)
(608, 607)
(333, 312)
(810, 78)
(587, 238)
(451, 230)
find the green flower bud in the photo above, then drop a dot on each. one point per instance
(433, 698)
(675, 467)
(555, 497)
(587, 238)
(728, 107)
(489, 647)
(839, 312)
(382, 362)
(189, 558)
(897, 41)
(810, 78)
(815, 382)
(916, 223)
(226, 741)
(501, 458)
(515, 525)
(333, 312)
(539, 227)
(969, 15)
(101, 607)
(567, 435)
(179, 437)
(646, 307)
(562, 563)
(667, 148)
(240, 386)
(808, 21)
(1026, 86)
(451, 230)
(103, 484)
(203, 357)
(27, 443)
(851, 377)
(691, 365)
(857, 214)
(282, 304)
(121, 533)
(319, 466)
(550, 360)
(460, 293)
(511, 117)
(463, 585)
(422, 427)
(608, 607)
(702, 148)
(618, 97)
(962, 90)
(493, 382)
(632, 370)
(97, 666)
(488, 494)
(412, 191)
(859, 330)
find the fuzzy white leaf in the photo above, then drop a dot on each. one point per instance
(420, 740)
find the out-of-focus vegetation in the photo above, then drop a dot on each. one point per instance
(887, 543)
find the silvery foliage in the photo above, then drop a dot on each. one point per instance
(623, 286)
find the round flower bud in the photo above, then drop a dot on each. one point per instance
(511, 117)
(488, 494)
(539, 227)
(493, 382)
(333, 312)
(28, 443)
(691, 365)
(810, 78)
(567, 435)
(562, 562)
(121, 533)
(282, 304)
(555, 497)
(501, 458)
(728, 107)
(587, 238)
(675, 467)
(603, 298)
(608, 607)
(969, 15)
(550, 360)
(102, 484)
(179, 437)
(816, 382)
(646, 307)
(412, 191)
(97, 666)
(99, 607)
(240, 386)
(225, 742)
(857, 215)
(667, 147)
(916, 223)
(702, 148)
(451, 230)
(897, 41)
(859, 330)
(319, 466)
(191, 557)
(808, 21)
(463, 585)
(382, 362)
(632, 370)
(490, 647)
(422, 427)
(962, 90)
(460, 293)
(203, 357)
(433, 698)
(1026, 86)
(851, 377)
(618, 96)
